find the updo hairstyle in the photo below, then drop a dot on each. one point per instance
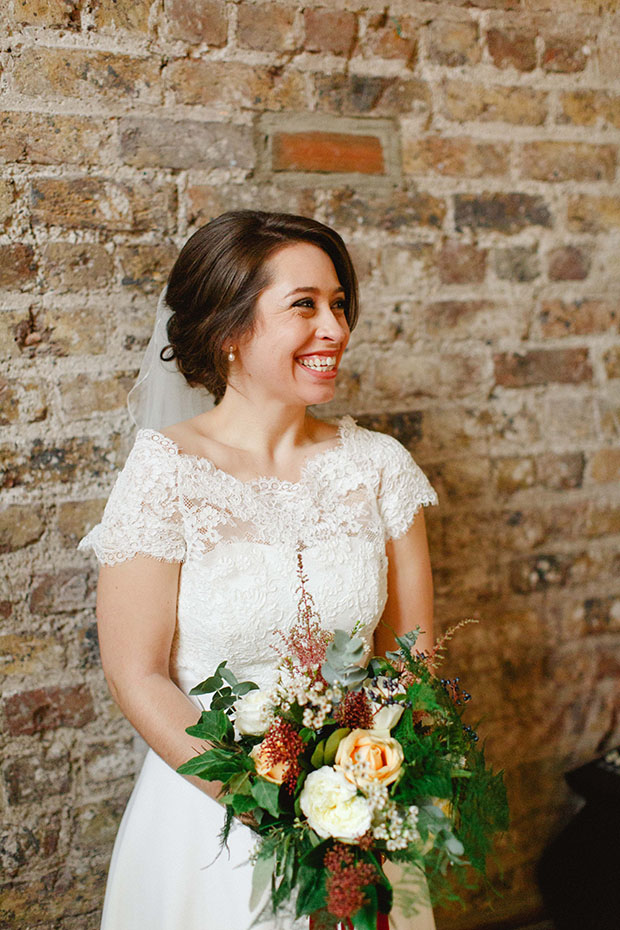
(218, 277)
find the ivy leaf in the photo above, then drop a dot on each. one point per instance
(266, 794)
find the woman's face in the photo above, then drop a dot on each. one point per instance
(300, 331)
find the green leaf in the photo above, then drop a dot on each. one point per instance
(311, 893)
(266, 793)
(307, 734)
(366, 917)
(212, 683)
(240, 803)
(261, 879)
(240, 783)
(227, 675)
(216, 765)
(213, 725)
(243, 687)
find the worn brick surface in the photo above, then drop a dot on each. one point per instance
(467, 151)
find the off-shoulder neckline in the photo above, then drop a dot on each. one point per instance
(345, 426)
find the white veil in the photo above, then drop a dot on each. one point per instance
(161, 396)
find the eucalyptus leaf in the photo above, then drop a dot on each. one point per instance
(261, 879)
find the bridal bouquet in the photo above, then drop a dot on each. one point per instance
(345, 765)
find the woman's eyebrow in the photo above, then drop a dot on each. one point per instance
(311, 290)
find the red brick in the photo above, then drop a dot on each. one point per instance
(453, 42)
(388, 37)
(540, 366)
(197, 21)
(564, 54)
(511, 48)
(97, 203)
(577, 318)
(507, 213)
(266, 27)
(566, 161)
(47, 709)
(18, 265)
(326, 152)
(458, 157)
(330, 31)
(568, 263)
(460, 263)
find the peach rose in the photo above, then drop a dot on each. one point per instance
(274, 773)
(364, 757)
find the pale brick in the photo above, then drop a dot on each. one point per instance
(522, 106)
(102, 77)
(47, 709)
(459, 157)
(85, 396)
(98, 203)
(40, 775)
(611, 361)
(461, 263)
(398, 210)
(75, 266)
(53, 139)
(205, 202)
(266, 27)
(76, 518)
(400, 263)
(577, 318)
(63, 461)
(603, 520)
(72, 332)
(182, 144)
(20, 526)
(330, 31)
(405, 377)
(64, 13)
(512, 48)
(558, 472)
(474, 319)
(146, 266)
(22, 401)
(589, 107)
(7, 199)
(18, 265)
(514, 473)
(231, 87)
(453, 42)
(387, 37)
(592, 214)
(565, 161)
(197, 21)
(604, 466)
(507, 213)
(520, 263)
(67, 589)
(125, 15)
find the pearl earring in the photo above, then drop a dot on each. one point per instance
(231, 354)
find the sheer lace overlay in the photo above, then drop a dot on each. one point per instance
(237, 541)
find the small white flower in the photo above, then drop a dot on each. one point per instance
(253, 713)
(333, 807)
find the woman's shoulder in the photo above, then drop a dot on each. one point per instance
(382, 448)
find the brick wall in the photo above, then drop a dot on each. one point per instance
(467, 151)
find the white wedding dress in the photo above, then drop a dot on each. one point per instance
(237, 542)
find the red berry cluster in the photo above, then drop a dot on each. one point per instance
(283, 743)
(346, 881)
(354, 711)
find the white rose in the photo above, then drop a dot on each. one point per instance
(385, 716)
(253, 713)
(333, 807)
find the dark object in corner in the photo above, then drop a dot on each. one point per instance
(579, 872)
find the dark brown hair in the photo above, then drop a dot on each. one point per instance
(218, 277)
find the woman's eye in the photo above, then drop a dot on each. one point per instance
(306, 303)
(340, 306)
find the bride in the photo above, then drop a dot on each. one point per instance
(199, 537)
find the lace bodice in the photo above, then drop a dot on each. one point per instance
(237, 542)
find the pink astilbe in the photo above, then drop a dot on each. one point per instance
(305, 644)
(346, 881)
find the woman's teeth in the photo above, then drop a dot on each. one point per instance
(319, 362)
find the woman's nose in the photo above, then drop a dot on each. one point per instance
(332, 326)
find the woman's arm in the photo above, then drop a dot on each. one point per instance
(410, 589)
(136, 612)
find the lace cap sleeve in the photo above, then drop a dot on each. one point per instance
(403, 488)
(143, 514)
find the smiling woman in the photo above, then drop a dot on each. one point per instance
(199, 542)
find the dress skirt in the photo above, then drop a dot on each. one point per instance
(168, 873)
